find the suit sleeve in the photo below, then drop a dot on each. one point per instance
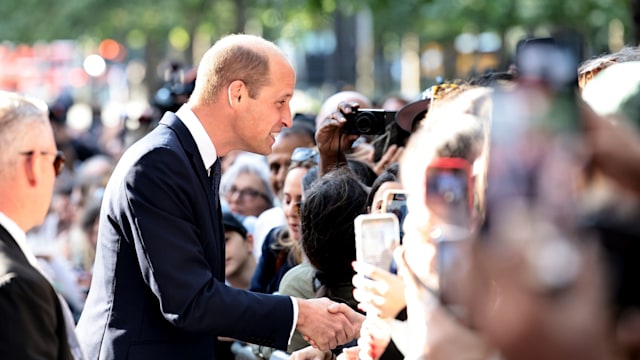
(31, 325)
(169, 221)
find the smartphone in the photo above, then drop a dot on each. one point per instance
(449, 192)
(395, 202)
(453, 247)
(377, 236)
(552, 62)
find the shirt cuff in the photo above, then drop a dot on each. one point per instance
(295, 318)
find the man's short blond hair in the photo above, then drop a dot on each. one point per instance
(235, 57)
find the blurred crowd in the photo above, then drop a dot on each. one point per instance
(517, 232)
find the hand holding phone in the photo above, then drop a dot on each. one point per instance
(377, 235)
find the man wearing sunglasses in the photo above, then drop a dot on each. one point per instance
(36, 322)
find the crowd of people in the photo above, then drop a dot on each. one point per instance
(229, 230)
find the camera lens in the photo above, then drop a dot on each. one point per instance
(364, 122)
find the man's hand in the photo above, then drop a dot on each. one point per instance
(326, 324)
(378, 290)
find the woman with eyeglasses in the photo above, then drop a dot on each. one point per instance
(245, 187)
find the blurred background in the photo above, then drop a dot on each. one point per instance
(113, 56)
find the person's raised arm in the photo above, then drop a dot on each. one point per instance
(331, 142)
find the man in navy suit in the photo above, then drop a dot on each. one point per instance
(158, 287)
(35, 322)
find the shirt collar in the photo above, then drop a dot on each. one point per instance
(203, 142)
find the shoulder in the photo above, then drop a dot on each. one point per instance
(298, 281)
(23, 287)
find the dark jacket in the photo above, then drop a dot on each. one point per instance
(31, 320)
(158, 287)
(274, 262)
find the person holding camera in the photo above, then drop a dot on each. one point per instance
(363, 127)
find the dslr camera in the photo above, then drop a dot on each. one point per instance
(368, 121)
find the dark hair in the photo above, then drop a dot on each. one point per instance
(300, 128)
(362, 171)
(490, 78)
(359, 169)
(330, 207)
(389, 174)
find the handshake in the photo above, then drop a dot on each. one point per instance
(326, 324)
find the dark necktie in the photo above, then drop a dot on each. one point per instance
(219, 230)
(215, 181)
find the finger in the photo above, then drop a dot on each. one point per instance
(396, 155)
(363, 268)
(363, 283)
(348, 107)
(388, 155)
(362, 296)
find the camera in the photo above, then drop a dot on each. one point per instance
(368, 121)
(178, 86)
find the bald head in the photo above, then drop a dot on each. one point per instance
(235, 57)
(331, 104)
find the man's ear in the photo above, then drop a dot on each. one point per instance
(249, 240)
(236, 91)
(29, 167)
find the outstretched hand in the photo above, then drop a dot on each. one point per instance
(325, 324)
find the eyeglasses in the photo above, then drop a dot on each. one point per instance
(246, 194)
(58, 160)
(302, 154)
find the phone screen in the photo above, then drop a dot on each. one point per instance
(376, 238)
(395, 202)
(449, 195)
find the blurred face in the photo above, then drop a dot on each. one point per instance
(43, 146)
(247, 195)
(262, 118)
(291, 200)
(280, 159)
(237, 252)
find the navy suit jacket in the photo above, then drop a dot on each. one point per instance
(158, 287)
(31, 320)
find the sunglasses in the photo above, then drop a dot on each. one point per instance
(302, 154)
(58, 160)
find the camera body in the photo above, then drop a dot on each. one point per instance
(368, 121)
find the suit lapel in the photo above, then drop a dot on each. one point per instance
(12, 246)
